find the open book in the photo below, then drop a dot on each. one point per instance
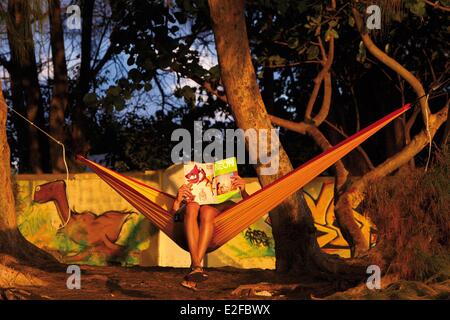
(211, 182)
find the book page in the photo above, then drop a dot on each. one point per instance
(223, 171)
(200, 176)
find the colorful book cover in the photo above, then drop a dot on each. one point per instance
(223, 171)
(211, 182)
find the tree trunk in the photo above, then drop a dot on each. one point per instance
(292, 224)
(7, 205)
(11, 240)
(79, 135)
(20, 38)
(20, 126)
(399, 134)
(15, 251)
(59, 99)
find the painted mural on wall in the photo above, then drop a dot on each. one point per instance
(97, 233)
(91, 232)
(319, 196)
(101, 228)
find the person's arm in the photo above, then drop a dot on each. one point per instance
(184, 193)
(238, 182)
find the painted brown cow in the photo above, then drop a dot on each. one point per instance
(98, 232)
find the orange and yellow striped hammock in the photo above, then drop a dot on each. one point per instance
(155, 204)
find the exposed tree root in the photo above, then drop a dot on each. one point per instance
(393, 288)
(24, 252)
(19, 294)
(264, 289)
(15, 276)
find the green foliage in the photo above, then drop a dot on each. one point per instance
(362, 55)
(188, 93)
(90, 99)
(416, 6)
(313, 52)
(142, 143)
(331, 33)
(275, 60)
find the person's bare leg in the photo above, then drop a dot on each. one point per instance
(192, 231)
(207, 215)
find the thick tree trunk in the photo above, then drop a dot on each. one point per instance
(20, 38)
(59, 100)
(12, 243)
(20, 126)
(11, 240)
(293, 228)
(8, 224)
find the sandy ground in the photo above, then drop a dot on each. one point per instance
(164, 283)
(157, 283)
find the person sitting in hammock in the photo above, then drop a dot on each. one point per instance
(199, 224)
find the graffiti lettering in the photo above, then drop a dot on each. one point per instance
(258, 238)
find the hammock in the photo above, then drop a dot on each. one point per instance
(155, 204)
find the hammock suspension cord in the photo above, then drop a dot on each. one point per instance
(63, 148)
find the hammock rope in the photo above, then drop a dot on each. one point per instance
(63, 150)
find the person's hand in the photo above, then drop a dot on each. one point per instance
(237, 182)
(184, 193)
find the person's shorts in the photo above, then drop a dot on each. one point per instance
(222, 206)
(179, 215)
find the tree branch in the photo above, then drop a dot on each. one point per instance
(106, 57)
(393, 64)
(318, 137)
(359, 148)
(161, 90)
(436, 5)
(407, 153)
(326, 101)
(327, 62)
(324, 74)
